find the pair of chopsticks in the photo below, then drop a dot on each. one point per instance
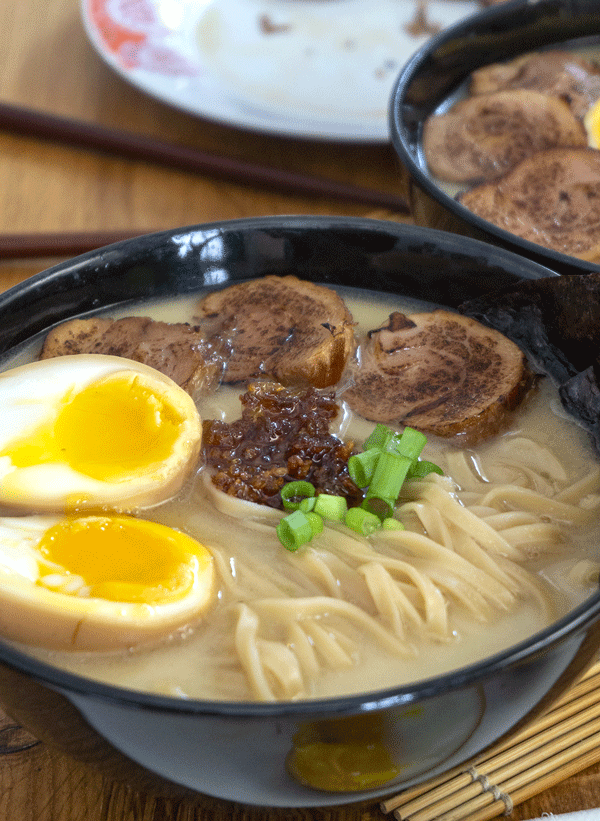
(19, 120)
(562, 742)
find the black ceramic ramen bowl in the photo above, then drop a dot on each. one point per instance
(238, 751)
(437, 71)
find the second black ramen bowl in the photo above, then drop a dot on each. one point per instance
(435, 75)
(238, 750)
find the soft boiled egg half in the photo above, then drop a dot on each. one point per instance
(86, 431)
(103, 433)
(99, 582)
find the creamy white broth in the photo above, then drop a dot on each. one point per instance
(201, 662)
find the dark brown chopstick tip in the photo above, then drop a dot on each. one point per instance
(20, 120)
(29, 246)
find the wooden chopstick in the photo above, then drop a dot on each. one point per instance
(560, 743)
(59, 244)
(20, 120)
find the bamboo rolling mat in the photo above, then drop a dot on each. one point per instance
(564, 741)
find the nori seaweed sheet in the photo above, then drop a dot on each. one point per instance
(556, 321)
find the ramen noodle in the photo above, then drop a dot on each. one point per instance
(495, 549)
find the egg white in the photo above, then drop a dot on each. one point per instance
(31, 394)
(33, 614)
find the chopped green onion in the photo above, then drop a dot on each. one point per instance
(411, 443)
(294, 530)
(387, 460)
(382, 508)
(390, 523)
(331, 507)
(316, 522)
(393, 443)
(307, 504)
(361, 466)
(294, 492)
(362, 521)
(421, 468)
(389, 476)
(379, 435)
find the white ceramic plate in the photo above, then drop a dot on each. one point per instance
(318, 69)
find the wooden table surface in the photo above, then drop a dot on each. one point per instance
(47, 63)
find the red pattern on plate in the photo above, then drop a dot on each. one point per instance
(132, 32)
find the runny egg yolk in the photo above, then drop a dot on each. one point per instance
(115, 428)
(591, 122)
(121, 559)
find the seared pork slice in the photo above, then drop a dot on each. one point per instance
(439, 372)
(551, 198)
(557, 73)
(178, 350)
(482, 137)
(283, 328)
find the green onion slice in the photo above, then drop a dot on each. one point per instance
(293, 493)
(307, 504)
(411, 443)
(390, 475)
(379, 436)
(361, 466)
(382, 508)
(316, 522)
(390, 523)
(362, 521)
(294, 530)
(421, 468)
(331, 507)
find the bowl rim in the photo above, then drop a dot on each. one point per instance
(577, 619)
(494, 16)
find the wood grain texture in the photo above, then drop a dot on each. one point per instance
(47, 63)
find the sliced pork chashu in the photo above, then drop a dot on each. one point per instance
(557, 73)
(482, 137)
(551, 198)
(178, 350)
(439, 372)
(282, 328)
